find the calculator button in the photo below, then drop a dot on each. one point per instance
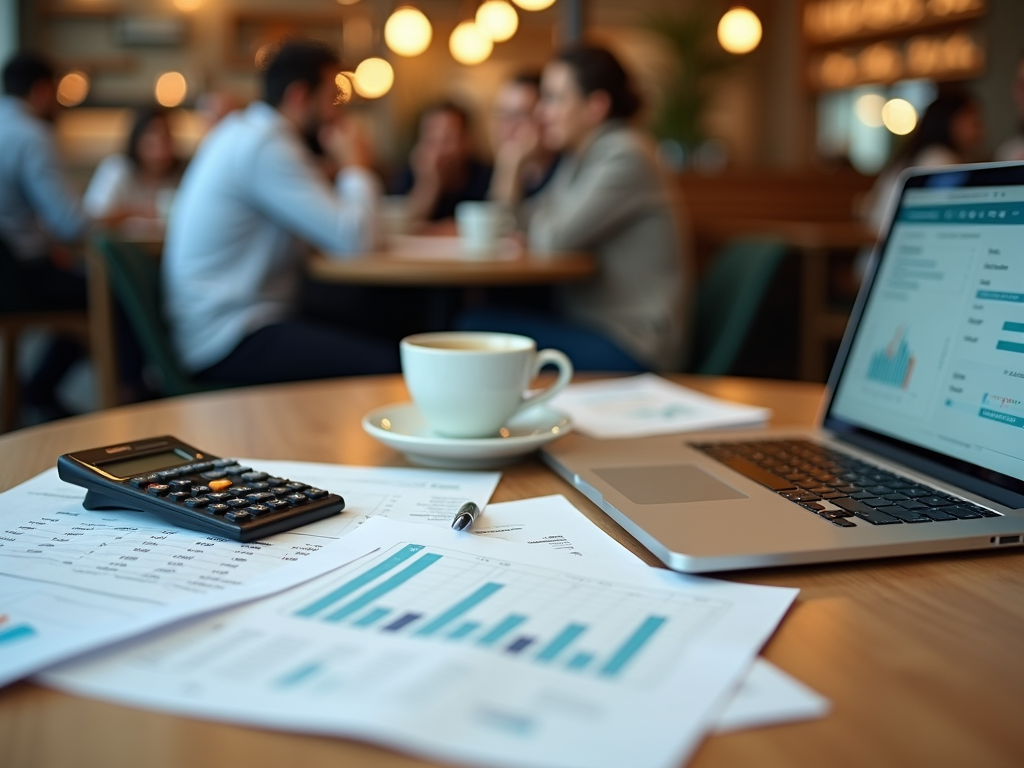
(180, 485)
(254, 476)
(218, 463)
(274, 482)
(199, 490)
(258, 486)
(281, 491)
(259, 498)
(167, 474)
(213, 474)
(197, 502)
(218, 509)
(315, 493)
(219, 497)
(291, 484)
(219, 485)
(178, 495)
(296, 498)
(237, 503)
(257, 509)
(277, 504)
(157, 489)
(203, 466)
(240, 490)
(143, 480)
(237, 470)
(238, 515)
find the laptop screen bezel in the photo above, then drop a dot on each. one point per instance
(997, 486)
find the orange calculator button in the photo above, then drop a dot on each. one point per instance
(219, 485)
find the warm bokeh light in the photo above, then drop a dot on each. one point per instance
(739, 30)
(187, 6)
(171, 89)
(534, 5)
(498, 19)
(264, 55)
(868, 108)
(408, 32)
(344, 82)
(72, 89)
(469, 45)
(373, 78)
(899, 116)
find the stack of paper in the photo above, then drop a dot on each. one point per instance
(643, 405)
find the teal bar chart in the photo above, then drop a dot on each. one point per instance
(893, 365)
(430, 595)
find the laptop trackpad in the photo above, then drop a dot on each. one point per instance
(667, 484)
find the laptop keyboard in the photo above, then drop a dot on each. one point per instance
(838, 487)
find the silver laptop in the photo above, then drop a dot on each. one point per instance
(920, 448)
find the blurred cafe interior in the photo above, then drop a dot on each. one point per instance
(777, 128)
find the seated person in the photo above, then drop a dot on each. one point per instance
(38, 217)
(140, 182)
(250, 197)
(607, 197)
(442, 169)
(515, 120)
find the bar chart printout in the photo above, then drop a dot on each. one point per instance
(893, 365)
(506, 609)
(464, 649)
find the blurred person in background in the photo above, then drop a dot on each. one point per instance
(1013, 148)
(607, 197)
(951, 131)
(443, 169)
(140, 182)
(39, 218)
(515, 121)
(249, 203)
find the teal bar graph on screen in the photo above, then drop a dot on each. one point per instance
(462, 630)
(1011, 346)
(502, 628)
(384, 587)
(360, 581)
(372, 617)
(632, 646)
(580, 661)
(447, 617)
(560, 642)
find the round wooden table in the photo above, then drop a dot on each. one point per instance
(919, 656)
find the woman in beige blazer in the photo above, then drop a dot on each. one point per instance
(606, 197)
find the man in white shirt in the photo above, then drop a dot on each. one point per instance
(249, 203)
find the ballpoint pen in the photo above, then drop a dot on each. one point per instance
(465, 516)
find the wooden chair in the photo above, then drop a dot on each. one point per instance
(17, 315)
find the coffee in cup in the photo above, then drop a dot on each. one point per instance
(469, 384)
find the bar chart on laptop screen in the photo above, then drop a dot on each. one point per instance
(577, 625)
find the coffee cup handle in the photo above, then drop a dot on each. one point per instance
(565, 371)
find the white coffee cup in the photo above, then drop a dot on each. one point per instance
(469, 384)
(481, 226)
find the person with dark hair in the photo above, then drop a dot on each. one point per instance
(515, 115)
(249, 202)
(443, 170)
(1013, 147)
(950, 132)
(607, 197)
(38, 215)
(139, 182)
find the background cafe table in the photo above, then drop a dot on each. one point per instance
(919, 656)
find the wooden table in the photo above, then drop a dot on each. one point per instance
(390, 268)
(921, 657)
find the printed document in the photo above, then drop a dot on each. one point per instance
(72, 580)
(463, 648)
(637, 406)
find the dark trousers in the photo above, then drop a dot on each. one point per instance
(297, 350)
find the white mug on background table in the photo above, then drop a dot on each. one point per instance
(469, 384)
(481, 226)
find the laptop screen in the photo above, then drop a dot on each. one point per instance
(935, 364)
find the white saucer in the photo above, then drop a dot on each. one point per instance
(402, 427)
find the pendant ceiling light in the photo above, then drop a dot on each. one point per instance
(498, 19)
(407, 32)
(469, 45)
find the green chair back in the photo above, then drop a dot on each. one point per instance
(728, 298)
(135, 282)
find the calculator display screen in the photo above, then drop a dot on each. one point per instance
(142, 464)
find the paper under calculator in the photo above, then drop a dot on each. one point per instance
(194, 489)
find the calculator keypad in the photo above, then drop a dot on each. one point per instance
(227, 490)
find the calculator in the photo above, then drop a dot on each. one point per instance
(194, 489)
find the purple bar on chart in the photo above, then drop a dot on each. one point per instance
(519, 644)
(401, 621)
